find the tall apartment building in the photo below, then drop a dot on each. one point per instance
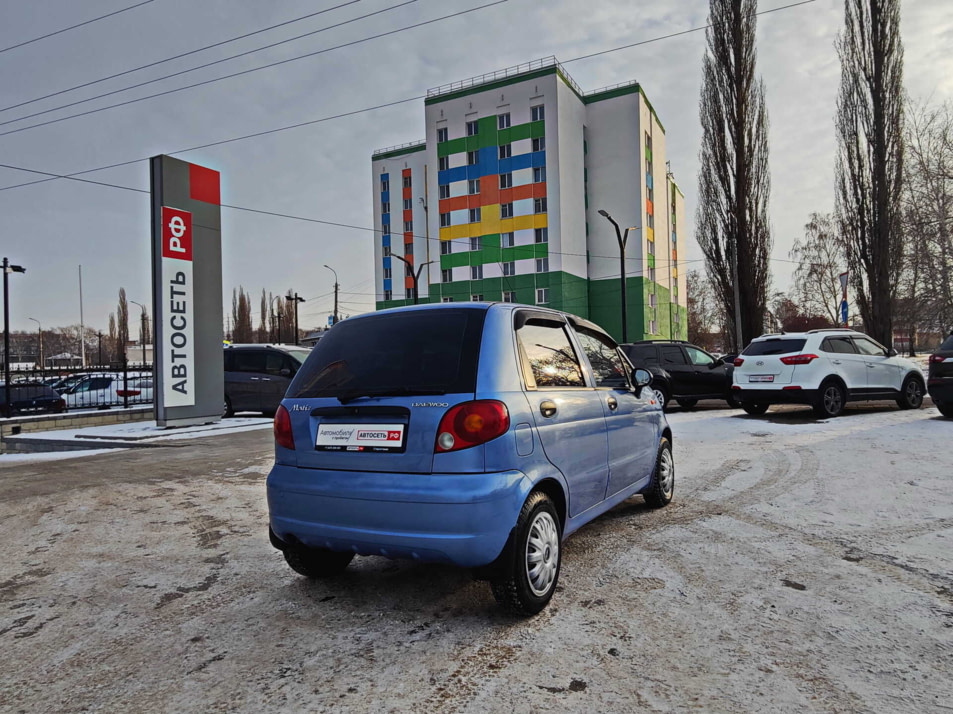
(502, 199)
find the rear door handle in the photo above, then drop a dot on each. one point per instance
(871, 366)
(613, 404)
(547, 409)
(835, 361)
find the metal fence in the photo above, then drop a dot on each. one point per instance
(72, 389)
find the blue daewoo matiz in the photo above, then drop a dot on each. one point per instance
(469, 433)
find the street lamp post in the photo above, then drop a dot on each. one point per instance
(295, 299)
(39, 332)
(277, 314)
(622, 238)
(7, 269)
(335, 292)
(415, 276)
(142, 329)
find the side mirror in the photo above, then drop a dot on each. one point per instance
(285, 372)
(892, 352)
(641, 377)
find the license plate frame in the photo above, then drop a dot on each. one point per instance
(761, 378)
(359, 438)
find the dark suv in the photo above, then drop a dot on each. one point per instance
(940, 379)
(257, 376)
(682, 372)
(30, 398)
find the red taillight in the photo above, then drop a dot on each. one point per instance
(128, 392)
(283, 434)
(799, 359)
(790, 389)
(470, 424)
(739, 361)
(936, 359)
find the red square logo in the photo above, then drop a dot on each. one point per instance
(176, 234)
(393, 436)
(204, 185)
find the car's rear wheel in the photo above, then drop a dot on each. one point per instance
(754, 409)
(733, 401)
(911, 394)
(317, 562)
(687, 403)
(946, 408)
(662, 487)
(528, 578)
(831, 400)
(228, 411)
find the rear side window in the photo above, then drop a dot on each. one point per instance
(422, 351)
(672, 354)
(546, 347)
(947, 345)
(780, 346)
(838, 345)
(250, 360)
(642, 355)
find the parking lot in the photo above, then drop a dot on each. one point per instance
(804, 565)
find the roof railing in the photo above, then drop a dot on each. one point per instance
(513, 71)
(408, 145)
(620, 85)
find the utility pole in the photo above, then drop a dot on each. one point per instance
(39, 332)
(335, 292)
(7, 269)
(415, 276)
(295, 299)
(622, 239)
(82, 324)
(142, 329)
(277, 317)
(100, 336)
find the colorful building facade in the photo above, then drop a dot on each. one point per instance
(502, 200)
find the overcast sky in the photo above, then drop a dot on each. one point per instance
(322, 171)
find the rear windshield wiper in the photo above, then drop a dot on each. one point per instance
(389, 392)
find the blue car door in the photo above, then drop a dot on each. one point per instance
(567, 410)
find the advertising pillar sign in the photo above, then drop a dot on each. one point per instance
(187, 292)
(843, 302)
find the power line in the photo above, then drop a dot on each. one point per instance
(256, 69)
(179, 56)
(73, 27)
(203, 66)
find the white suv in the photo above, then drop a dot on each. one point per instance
(823, 368)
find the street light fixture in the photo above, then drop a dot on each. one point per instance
(622, 238)
(415, 276)
(142, 329)
(335, 292)
(7, 269)
(39, 332)
(295, 299)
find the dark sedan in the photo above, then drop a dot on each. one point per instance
(30, 398)
(940, 379)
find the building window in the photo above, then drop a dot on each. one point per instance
(387, 273)
(506, 180)
(472, 157)
(506, 210)
(651, 247)
(385, 207)
(652, 277)
(473, 128)
(509, 240)
(539, 205)
(542, 265)
(446, 276)
(539, 174)
(503, 121)
(475, 215)
(473, 186)
(542, 235)
(537, 113)
(385, 228)
(652, 300)
(444, 220)
(474, 242)
(445, 190)
(407, 183)
(476, 297)
(388, 295)
(506, 151)
(409, 293)
(408, 204)
(651, 221)
(509, 296)
(653, 329)
(386, 250)
(442, 134)
(385, 184)
(539, 144)
(408, 226)
(476, 272)
(446, 247)
(408, 252)
(447, 299)
(509, 268)
(542, 296)
(443, 163)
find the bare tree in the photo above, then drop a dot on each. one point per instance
(263, 318)
(122, 319)
(704, 310)
(869, 125)
(111, 338)
(734, 183)
(821, 258)
(241, 316)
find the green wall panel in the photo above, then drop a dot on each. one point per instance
(445, 148)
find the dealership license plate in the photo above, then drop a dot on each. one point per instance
(376, 438)
(761, 378)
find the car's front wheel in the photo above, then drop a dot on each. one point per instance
(687, 403)
(317, 562)
(662, 487)
(228, 411)
(946, 408)
(754, 409)
(661, 396)
(528, 579)
(911, 394)
(831, 400)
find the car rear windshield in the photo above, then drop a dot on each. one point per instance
(947, 345)
(414, 352)
(780, 346)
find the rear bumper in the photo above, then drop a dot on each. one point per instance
(941, 390)
(775, 396)
(463, 519)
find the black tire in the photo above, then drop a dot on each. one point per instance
(946, 408)
(733, 401)
(662, 395)
(316, 562)
(515, 587)
(662, 487)
(687, 403)
(754, 409)
(228, 411)
(911, 394)
(831, 400)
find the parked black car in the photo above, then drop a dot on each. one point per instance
(940, 379)
(30, 398)
(682, 372)
(257, 376)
